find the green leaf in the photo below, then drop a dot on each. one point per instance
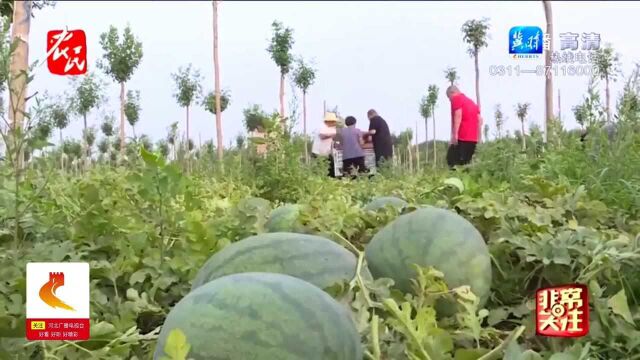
(177, 347)
(149, 158)
(619, 305)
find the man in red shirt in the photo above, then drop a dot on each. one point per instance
(466, 123)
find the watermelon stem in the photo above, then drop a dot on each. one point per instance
(513, 336)
(358, 278)
(375, 340)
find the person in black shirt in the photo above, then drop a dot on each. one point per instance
(382, 146)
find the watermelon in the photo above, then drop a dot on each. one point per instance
(285, 219)
(262, 316)
(431, 237)
(381, 202)
(312, 258)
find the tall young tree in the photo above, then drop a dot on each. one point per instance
(119, 60)
(451, 75)
(522, 110)
(432, 98)
(88, 93)
(216, 72)
(607, 64)
(18, 69)
(188, 88)
(280, 50)
(132, 109)
(475, 33)
(304, 76)
(548, 85)
(425, 112)
(499, 117)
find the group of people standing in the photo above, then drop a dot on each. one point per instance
(352, 142)
(466, 125)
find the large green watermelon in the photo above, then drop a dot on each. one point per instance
(381, 202)
(285, 218)
(262, 316)
(312, 258)
(431, 237)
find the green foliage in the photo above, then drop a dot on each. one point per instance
(590, 112)
(451, 75)
(6, 8)
(475, 34)
(209, 101)
(280, 47)
(187, 85)
(303, 75)
(499, 118)
(107, 125)
(132, 107)
(87, 93)
(522, 110)
(607, 63)
(255, 118)
(120, 58)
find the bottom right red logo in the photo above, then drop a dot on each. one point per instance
(562, 311)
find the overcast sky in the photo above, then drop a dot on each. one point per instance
(380, 55)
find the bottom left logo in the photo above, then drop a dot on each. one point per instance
(57, 301)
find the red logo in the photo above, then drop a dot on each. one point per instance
(67, 52)
(562, 311)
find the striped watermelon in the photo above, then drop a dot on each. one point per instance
(381, 202)
(285, 218)
(431, 237)
(262, 316)
(312, 258)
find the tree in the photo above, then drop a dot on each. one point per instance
(188, 88)
(590, 112)
(107, 126)
(425, 112)
(432, 99)
(209, 101)
(87, 95)
(132, 109)
(522, 110)
(499, 117)
(6, 7)
(304, 76)
(216, 72)
(58, 116)
(548, 85)
(629, 101)
(119, 60)
(451, 75)
(486, 131)
(18, 70)
(475, 34)
(607, 65)
(280, 50)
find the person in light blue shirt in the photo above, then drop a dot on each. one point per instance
(351, 140)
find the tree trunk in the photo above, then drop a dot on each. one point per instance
(524, 137)
(477, 68)
(282, 98)
(433, 117)
(426, 140)
(548, 85)
(216, 66)
(60, 130)
(418, 148)
(188, 138)
(607, 97)
(121, 119)
(85, 153)
(304, 126)
(19, 64)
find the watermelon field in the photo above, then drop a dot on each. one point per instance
(200, 251)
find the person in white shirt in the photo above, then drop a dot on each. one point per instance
(323, 142)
